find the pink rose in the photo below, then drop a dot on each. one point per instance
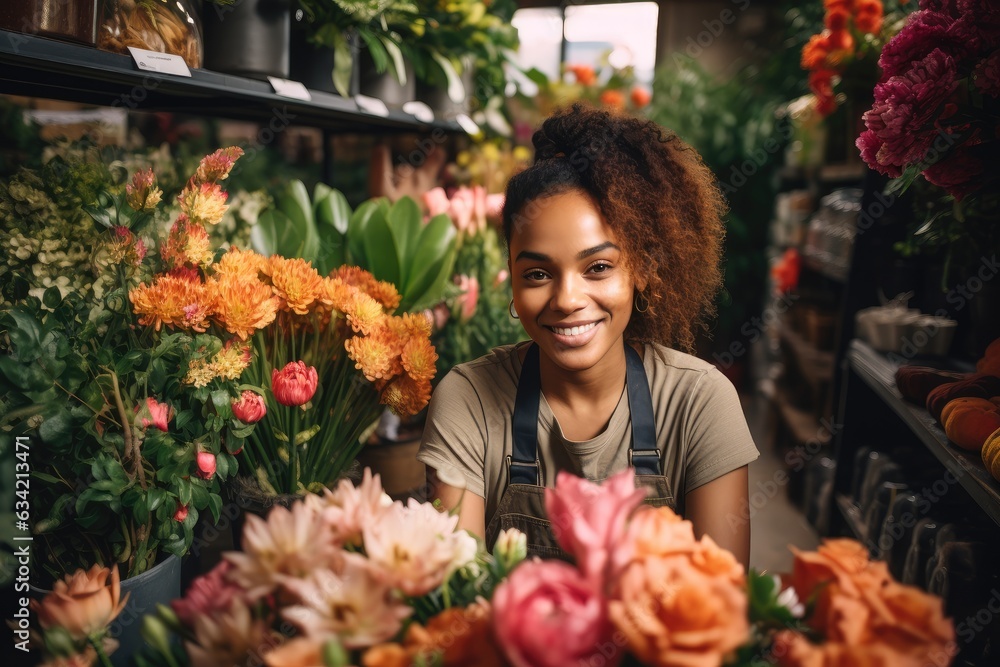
(250, 408)
(154, 413)
(295, 384)
(589, 521)
(436, 202)
(207, 595)
(181, 513)
(546, 615)
(206, 464)
(469, 296)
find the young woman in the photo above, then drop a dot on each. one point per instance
(614, 238)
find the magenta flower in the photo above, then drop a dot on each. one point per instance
(924, 32)
(958, 173)
(902, 117)
(207, 595)
(295, 384)
(547, 615)
(589, 520)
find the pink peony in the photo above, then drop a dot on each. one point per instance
(547, 615)
(295, 384)
(250, 408)
(924, 32)
(153, 413)
(902, 117)
(468, 298)
(987, 75)
(208, 594)
(958, 173)
(589, 520)
(206, 465)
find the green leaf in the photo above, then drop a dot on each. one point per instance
(274, 234)
(303, 437)
(432, 295)
(333, 209)
(57, 428)
(356, 229)
(182, 418)
(379, 56)
(184, 491)
(405, 222)
(215, 506)
(435, 253)
(222, 466)
(156, 498)
(456, 91)
(223, 403)
(25, 335)
(29, 376)
(380, 249)
(396, 58)
(52, 297)
(343, 64)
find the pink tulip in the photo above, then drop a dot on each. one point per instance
(494, 208)
(547, 615)
(181, 513)
(154, 413)
(469, 297)
(502, 276)
(436, 201)
(461, 212)
(479, 207)
(206, 464)
(250, 408)
(207, 595)
(295, 384)
(589, 520)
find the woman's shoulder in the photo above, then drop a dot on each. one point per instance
(501, 362)
(662, 356)
(679, 371)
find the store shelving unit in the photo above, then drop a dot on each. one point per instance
(34, 66)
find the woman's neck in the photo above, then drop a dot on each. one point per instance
(596, 386)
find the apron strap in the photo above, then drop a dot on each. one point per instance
(643, 455)
(522, 465)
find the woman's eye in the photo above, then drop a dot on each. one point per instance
(534, 275)
(600, 268)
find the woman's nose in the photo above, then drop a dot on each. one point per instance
(569, 296)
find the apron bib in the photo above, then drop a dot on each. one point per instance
(522, 505)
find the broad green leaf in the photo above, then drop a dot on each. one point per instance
(356, 230)
(274, 234)
(379, 56)
(334, 210)
(215, 507)
(436, 239)
(295, 203)
(27, 377)
(396, 58)
(52, 297)
(380, 249)
(405, 221)
(456, 91)
(25, 335)
(57, 427)
(433, 294)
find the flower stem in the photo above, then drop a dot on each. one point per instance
(101, 655)
(293, 458)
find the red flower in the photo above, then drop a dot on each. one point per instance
(958, 173)
(640, 97)
(836, 19)
(206, 465)
(181, 513)
(154, 413)
(868, 16)
(924, 32)
(250, 408)
(613, 98)
(295, 384)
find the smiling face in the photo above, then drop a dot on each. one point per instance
(571, 288)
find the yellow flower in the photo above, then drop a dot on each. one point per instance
(200, 373)
(188, 243)
(373, 355)
(204, 203)
(230, 362)
(404, 395)
(410, 325)
(418, 358)
(380, 290)
(245, 305)
(364, 313)
(216, 167)
(142, 193)
(239, 264)
(386, 294)
(175, 301)
(295, 282)
(336, 294)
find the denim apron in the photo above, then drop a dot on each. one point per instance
(522, 505)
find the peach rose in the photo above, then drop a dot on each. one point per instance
(83, 603)
(672, 613)
(792, 649)
(460, 637)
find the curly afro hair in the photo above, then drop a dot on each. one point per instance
(657, 195)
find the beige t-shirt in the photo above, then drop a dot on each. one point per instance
(702, 432)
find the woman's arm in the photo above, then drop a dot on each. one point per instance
(718, 508)
(472, 508)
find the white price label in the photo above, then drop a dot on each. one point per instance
(293, 89)
(163, 63)
(372, 105)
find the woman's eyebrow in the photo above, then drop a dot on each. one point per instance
(583, 254)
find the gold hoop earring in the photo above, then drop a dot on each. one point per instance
(510, 309)
(640, 298)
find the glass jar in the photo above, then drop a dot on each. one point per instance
(165, 26)
(71, 20)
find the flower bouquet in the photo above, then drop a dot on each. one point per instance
(128, 449)
(348, 578)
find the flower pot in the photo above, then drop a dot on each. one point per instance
(250, 37)
(384, 86)
(435, 94)
(312, 64)
(71, 21)
(158, 585)
(247, 498)
(397, 464)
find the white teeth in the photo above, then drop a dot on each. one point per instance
(575, 331)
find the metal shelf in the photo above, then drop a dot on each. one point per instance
(38, 67)
(878, 372)
(852, 517)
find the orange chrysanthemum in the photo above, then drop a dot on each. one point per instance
(245, 305)
(230, 362)
(410, 325)
(418, 359)
(404, 395)
(187, 244)
(204, 203)
(374, 356)
(364, 313)
(380, 290)
(243, 264)
(336, 294)
(174, 301)
(386, 294)
(295, 282)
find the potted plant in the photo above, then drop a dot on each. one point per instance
(248, 37)
(129, 443)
